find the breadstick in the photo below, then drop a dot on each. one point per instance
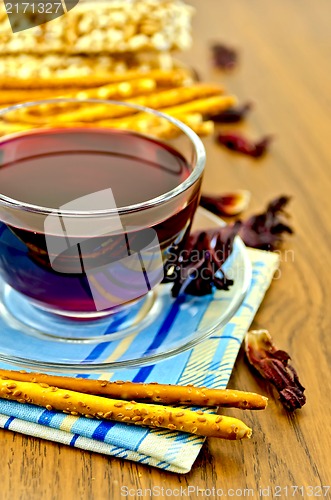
(204, 129)
(11, 96)
(147, 125)
(76, 403)
(194, 108)
(179, 95)
(167, 131)
(98, 27)
(156, 393)
(158, 127)
(163, 78)
(114, 91)
(159, 100)
(111, 91)
(198, 107)
(118, 90)
(146, 120)
(171, 131)
(204, 106)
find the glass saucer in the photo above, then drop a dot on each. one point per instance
(169, 327)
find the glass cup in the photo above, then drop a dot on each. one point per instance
(95, 195)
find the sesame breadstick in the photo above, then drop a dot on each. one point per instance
(206, 106)
(165, 131)
(204, 129)
(179, 95)
(153, 392)
(166, 98)
(76, 403)
(143, 121)
(186, 113)
(164, 78)
(168, 131)
(12, 96)
(116, 91)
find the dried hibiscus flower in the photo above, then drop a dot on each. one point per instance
(235, 114)
(197, 268)
(265, 231)
(273, 365)
(224, 57)
(238, 143)
(228, 204)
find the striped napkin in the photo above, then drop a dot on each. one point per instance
(208, 364)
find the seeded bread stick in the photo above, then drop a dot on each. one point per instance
(119, 90)
(197, 107)
(116, 91)
(160, 128)
(166, 98)
(153, 392)
(12, 128)
(142, 124)
(202, 129)
(163, 78)
(200, 107)
(143, 121)
(161, 131)
(11, 96)
(206, 106)
(99, 27)
(178, 95)
(76, 403)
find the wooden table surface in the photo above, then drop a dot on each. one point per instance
(285, 67)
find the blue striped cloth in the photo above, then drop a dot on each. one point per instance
(209, 364)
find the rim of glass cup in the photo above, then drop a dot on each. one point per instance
(191, 179)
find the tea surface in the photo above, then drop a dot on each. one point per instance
(55, 167)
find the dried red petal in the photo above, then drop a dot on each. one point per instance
(240, 144)
(262, 146)
(232, 115)
(265, 231)
(228, 204)
(224, 57)
(197, 268)
(273, 365)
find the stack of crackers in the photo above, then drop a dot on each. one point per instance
(117, 49)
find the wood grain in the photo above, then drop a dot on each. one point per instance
(285, 67)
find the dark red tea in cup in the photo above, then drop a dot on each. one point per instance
(50, 168)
